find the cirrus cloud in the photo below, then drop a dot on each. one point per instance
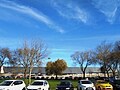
(71, 10)
(108, 8)
(37, 15)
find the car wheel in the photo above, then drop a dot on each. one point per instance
(99, 88)
(72, 89)
(77, 88)
(24, 88)
(80, 88)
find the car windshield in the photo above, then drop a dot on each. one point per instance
(6, 83)
(86, 82)
(117, 81)
(37, 83)
(65, 83)
(102, 82)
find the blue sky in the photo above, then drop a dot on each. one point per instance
(65, 26)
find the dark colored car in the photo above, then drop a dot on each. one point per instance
(65, 85)
(115, 84)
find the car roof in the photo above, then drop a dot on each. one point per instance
(100, 80)
(39, 80)
(84, 80)
(13, 80)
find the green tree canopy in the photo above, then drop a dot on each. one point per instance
(56, 67)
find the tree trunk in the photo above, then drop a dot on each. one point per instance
(25, 73)
(56, 77)
(113, 73)
(104, 74)
(30, 71)
(83, 74)
(108, 74)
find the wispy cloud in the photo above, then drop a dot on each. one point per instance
(108, 8)
(37, 15)
(71, 11)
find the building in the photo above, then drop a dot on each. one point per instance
(1, 69)
(36, 70)
(73, 72)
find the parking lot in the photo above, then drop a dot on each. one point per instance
(54, 83)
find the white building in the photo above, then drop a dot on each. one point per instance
(1, 69)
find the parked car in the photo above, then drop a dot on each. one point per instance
(103, 85)
(39, 85)
(13, 85)
(38, 77)
(85, 85)
(116, 84)
(65, 85)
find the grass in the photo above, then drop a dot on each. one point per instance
(52, 83)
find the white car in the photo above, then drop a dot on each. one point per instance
(85, 85)
(38, 85)
(13, 85)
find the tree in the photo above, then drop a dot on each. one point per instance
(117, 46)
(13, 63)
(102, 52)
(103, 70)
(115, 58)
(31, 55)
(49, 68)
(56, 67)
(84, 59)
(59, 66)
(5, 56)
